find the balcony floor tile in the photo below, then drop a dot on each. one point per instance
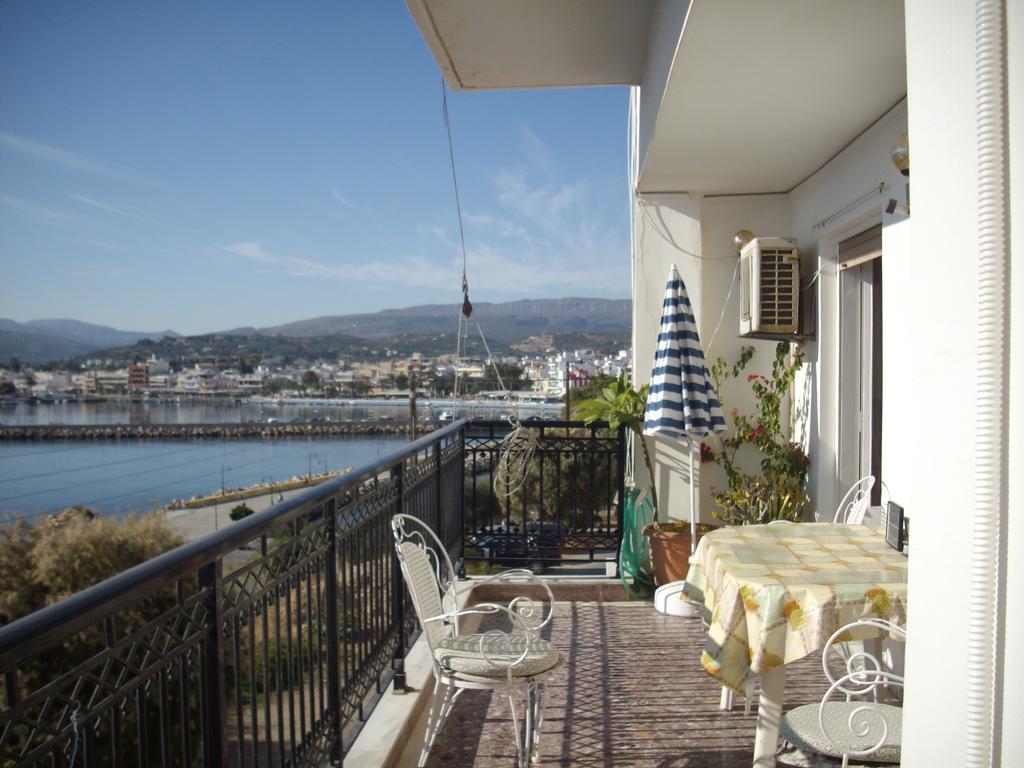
(632, 693)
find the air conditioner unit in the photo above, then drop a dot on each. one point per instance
(769, 286)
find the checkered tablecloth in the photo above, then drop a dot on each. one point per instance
(775, 593)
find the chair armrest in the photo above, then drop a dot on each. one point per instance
(523, 604)
(492, 609)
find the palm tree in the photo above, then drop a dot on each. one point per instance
(620, 404)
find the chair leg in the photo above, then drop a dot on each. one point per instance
(530, 735)
(538, 721)
(433, 718)
(446, 706)
(516, 729)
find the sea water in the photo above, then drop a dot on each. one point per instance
(117, 478)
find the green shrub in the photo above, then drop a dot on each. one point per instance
(242, 510)
(61, 555)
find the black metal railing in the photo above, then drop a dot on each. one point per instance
(565, 500)
(268, 642)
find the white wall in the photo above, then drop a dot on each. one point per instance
(696, 235)
(941, 269)
(864, 165)
(859, 168)
(667, 231)
(721, 218)
(929, 337)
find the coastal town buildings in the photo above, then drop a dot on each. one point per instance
(547, 375)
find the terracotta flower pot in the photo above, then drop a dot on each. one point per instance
(670, 552)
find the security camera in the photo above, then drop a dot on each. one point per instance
(895, 206)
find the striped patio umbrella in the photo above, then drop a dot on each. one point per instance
(681, 403)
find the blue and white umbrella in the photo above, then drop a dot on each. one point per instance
(681, 402)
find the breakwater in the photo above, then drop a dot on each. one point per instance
(97, 432)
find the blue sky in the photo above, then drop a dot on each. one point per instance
(202, 166)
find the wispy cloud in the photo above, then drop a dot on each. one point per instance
(251, 251)
(545, 271)
(548, 206)
(58, 156)
(408, 270)
(38, 213)
(441, 233)
(144, 217)
(537, 152)
(542, 239)
(503, 227)
(345, 201)
(549, 239)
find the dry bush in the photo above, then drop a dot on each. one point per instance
(44, 563)
(62, 555)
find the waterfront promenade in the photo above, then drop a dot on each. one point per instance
(197, 522)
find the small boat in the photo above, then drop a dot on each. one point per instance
(445, 416)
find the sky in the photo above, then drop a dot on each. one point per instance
(203, 166)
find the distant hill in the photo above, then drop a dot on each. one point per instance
(528, 325)
(37, 347)
(506, 322)
(41, 340)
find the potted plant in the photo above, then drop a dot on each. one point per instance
(777, 491)
(621, 405)
(669, 542)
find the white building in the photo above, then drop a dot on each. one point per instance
(780, 118)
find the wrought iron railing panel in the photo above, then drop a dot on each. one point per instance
(270, 641)
(567, 499)
(266, 643)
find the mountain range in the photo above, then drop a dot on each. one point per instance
(41, 340)
(429, 328)
(505, 322)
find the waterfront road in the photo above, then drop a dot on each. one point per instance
(195, 523)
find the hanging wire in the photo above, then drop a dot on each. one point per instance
(462, 334)
(725, 305)
(517, 448)
(467, 308)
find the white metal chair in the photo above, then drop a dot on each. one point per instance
(832, 732)
(515, 663)
(855, 503)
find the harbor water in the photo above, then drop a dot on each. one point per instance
(117, 478)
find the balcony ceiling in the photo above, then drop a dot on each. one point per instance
(761, 95)
(493, 44)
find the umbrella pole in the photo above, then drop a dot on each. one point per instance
(693, 504)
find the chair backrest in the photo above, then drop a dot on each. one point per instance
(859, 661)
(428, 573)
(864, 727)
(855, 503)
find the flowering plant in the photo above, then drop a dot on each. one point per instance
(777, 493)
